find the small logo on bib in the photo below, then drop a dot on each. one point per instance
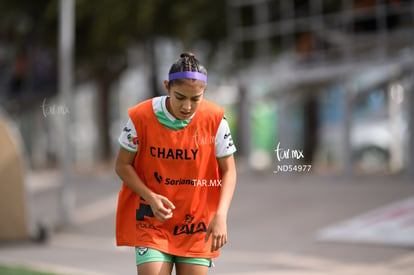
(142, 250)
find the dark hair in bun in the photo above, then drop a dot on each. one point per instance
(186, 63)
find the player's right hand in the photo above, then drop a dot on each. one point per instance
(161, 207)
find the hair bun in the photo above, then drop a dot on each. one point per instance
(187, 54)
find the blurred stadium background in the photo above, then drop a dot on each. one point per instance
(322, 84)
(332, 80)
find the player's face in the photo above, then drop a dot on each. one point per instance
(184, 98)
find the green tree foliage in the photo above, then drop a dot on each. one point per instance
(105, 28)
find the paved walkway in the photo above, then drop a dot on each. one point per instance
(273, 225)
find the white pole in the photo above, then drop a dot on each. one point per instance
(347, 127)
(410, 95)
(66, 41)
(396, 97)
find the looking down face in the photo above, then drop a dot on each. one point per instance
(185, 97)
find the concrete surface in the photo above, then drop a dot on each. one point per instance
(272, 226)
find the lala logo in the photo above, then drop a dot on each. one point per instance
(189, 218)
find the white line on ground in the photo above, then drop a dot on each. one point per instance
(84, 242)
(291, 264)
(96, 210)
(40, 181)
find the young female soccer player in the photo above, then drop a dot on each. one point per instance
(176, 162)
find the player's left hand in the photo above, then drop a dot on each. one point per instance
(218, 230)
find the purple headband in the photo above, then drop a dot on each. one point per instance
(192, 75)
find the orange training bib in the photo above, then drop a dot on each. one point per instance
(180, 165)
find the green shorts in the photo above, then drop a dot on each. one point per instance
(146, 255)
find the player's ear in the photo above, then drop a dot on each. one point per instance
(166, 86)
